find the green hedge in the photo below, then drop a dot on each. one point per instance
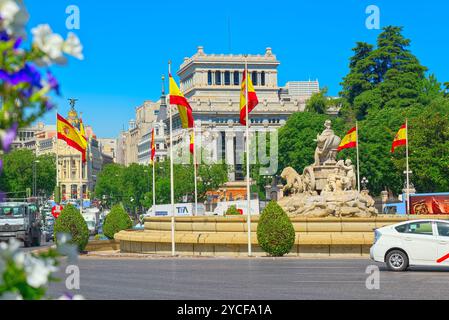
(72, 222)
(117, 220)
(275, 231)
(232, 211)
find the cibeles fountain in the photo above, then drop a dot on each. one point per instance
(327, 187)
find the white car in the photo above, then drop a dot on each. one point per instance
(412, 243)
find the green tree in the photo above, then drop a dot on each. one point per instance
(387, 76)
(72, 222)
(109, 183)
(318, 102)
(46, 174)
(116, 221)
(275, 232)
(17, 174)
(296, 138)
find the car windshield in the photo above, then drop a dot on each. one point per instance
(91, 224)
(11, 212)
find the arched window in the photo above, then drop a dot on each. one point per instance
(262, 78)
(209, 77)
(217, 78)
(236, 78)
(227, 78)
(254, 78)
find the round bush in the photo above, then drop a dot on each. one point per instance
(232, 211)
(117, 220)
(72, 222)
(275, 231)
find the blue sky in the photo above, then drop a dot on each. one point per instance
(128, 43)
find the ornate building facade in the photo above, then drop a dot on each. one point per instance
(212, 84)
(74, 177)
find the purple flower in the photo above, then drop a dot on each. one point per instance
(28, 74)
(4, 35)
(27, 92)
(49, 106)
(18, 43)
(53, 82)
(1, 165)
(9, 137)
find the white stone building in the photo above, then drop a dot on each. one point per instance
(212, 85)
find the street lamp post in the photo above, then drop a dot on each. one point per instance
(364, 183)
(35, 178)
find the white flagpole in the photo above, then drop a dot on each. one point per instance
(172, 186)
(358, 158)
(81, 184)
(57, 161)
(407, 168)
(248, 185)
(195, 170)
(154, 187)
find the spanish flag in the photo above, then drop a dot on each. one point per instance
(252, 98)
(82, 131)
(400, 139)
(192, 142)
(153, 147)
(350, 140)
(177, 98)
(71, 136)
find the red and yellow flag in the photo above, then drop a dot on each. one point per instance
(153, 147)
(350, 140)
(252, 98)
(71, 136)
(82, 131)
(192, 142)
(177, 98)
(400, 139)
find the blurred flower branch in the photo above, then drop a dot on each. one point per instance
(24, 86)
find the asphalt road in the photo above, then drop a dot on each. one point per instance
(245, 279)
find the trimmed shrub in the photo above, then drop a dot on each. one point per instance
(275, 231)
(72, 222)
(232, 211)
(117, 220)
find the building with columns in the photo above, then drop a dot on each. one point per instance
(212, 84)
(71, 180)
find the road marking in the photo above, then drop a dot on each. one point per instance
(331, 281)
(442, 259)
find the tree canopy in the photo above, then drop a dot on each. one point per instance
(17, 174)
(388, 75)
(385, 86)
(133, 185)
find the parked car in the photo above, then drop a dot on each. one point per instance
(412, 243)
(49, 228)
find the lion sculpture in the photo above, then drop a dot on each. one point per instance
(294, 181)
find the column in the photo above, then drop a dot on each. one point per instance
(230, 159)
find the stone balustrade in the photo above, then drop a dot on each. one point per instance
(227, 236)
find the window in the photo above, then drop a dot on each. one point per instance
(217, 78)
(227, 78)
(262, 78)
(254, 78)
(209, 77)
(423, 228)
(236, 78)
(443, 229)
